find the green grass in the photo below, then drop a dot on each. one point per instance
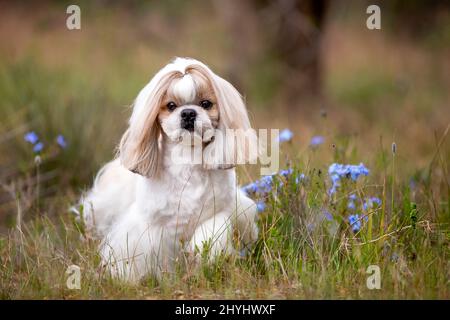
(300, 253)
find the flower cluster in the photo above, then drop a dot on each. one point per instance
(355, 222)
(371, 203)
(262, 187)
(351, 201)
(338, 172)
(32, 138)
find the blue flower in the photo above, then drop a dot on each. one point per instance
(317, 140)
(265, 184)
(61, 141)
(328, 215)
(253, 187)
(356, 171)
(371, 203)
(261, 206)
(31, 137)
(351, 201)
(355, 222)
(333, 189)
(335, 178)
(250, 188)
(285, 135)
(300, 178)
(287, 172)
(351, 205)
(38, 147)
(261, 187)
(347, 170)
(376, 201)
(338, 171)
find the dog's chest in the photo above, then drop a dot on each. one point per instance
(187, 196)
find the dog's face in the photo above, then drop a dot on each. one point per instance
(189, 107)
(186, 97)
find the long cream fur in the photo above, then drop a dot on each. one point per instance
(148, 210)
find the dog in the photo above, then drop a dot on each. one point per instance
(153, 203)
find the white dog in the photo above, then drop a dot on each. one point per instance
(149, 206)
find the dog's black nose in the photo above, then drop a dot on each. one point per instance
(188, 114)
(188, 118)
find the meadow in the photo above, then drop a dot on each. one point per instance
(364, 177)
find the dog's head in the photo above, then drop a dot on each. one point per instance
(186, 98)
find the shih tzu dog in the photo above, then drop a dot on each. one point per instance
(172, 188)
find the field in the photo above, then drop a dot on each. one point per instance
(385, 104)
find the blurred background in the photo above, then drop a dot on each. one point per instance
(310, 66)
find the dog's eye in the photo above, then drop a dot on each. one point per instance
(171, 106)
(206, 104)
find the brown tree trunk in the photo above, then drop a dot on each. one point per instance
(287, 31)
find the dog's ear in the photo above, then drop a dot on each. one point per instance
(240, 142)
(235, 142)
(139, 147)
